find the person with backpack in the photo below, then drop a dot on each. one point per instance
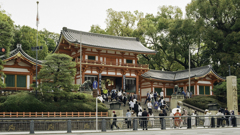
(156, 105)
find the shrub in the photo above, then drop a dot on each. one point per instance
(203, 101)
(51, 102)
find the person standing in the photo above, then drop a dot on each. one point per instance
(226, 113)
(219, 118)
(151, 118)
(177, 120)
(139, 107)
(164, 111)
(193, 119)
(148, 97)
(155, 96)
(144, 119)
(136, 108)
(171, 119)
(185, 113)
(140, 115)
(128, 115)
(156, 105)
(161, 94)
(114, 121)
(149, 105)
(207, 119)
(131, 105)
(161, 114)
(120, 95)
(163, 102)
(124, 99)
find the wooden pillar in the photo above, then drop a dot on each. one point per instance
(151, 86)
(137, 84)
(195, 88)
(164, 90)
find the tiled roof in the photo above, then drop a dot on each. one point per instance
(180, 75)
(104, 41)
(20, 50)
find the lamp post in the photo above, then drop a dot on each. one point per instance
(189, 64)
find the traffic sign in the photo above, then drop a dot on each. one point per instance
(95, 85)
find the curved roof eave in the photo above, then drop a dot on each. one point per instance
(71, 39)
(19, 49)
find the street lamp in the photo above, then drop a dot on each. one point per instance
(189, 64)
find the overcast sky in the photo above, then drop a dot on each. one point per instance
(77, 14)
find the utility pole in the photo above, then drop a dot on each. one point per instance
(37, 49)
(80, 58)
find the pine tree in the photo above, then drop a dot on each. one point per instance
(57, 73)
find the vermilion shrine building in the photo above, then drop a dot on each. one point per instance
(112, 61)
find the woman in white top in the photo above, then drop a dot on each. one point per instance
(151, 96)
(151, 118)
(171, 120)
(207, 119)
(193, 119)
(131, 103)
(139, 107)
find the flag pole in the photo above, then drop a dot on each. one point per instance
(37, 48)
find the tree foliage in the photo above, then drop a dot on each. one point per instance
(219, 23)
(57, 73)
(27, 36)
(6, 38)
(220, 90)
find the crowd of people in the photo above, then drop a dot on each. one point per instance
(155, 102)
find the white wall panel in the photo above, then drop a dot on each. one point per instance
(15, 69)
(10, 62)
(204, 82)
(144, 91)
(28, 81)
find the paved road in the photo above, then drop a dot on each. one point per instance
(216, 131)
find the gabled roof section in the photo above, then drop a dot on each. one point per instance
(104, 41)
(180, 75)
(18, 52)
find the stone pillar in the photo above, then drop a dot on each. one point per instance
(232, 99)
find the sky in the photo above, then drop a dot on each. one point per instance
(77, 14)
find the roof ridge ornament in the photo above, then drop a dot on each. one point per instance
(19, 45)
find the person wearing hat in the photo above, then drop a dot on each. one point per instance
(114, 121)
(193, 119)
(207, 119)
(177, 120)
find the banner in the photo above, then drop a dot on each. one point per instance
(100, 81)
(124, 82)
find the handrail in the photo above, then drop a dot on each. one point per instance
(93, 118)
(51, 114)
(114, 63)
(193, 107)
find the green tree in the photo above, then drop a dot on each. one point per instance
(220, 90)
(57, 73)
(219, 23)
(50, 39)
(27, 36)
(122, 23)
(171, 36)
(6, 38)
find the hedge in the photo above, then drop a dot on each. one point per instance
(50, 102)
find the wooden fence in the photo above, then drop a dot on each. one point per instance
(52, 114)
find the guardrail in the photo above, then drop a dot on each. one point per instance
(52, 114)
(193, 107)
(108, 123)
